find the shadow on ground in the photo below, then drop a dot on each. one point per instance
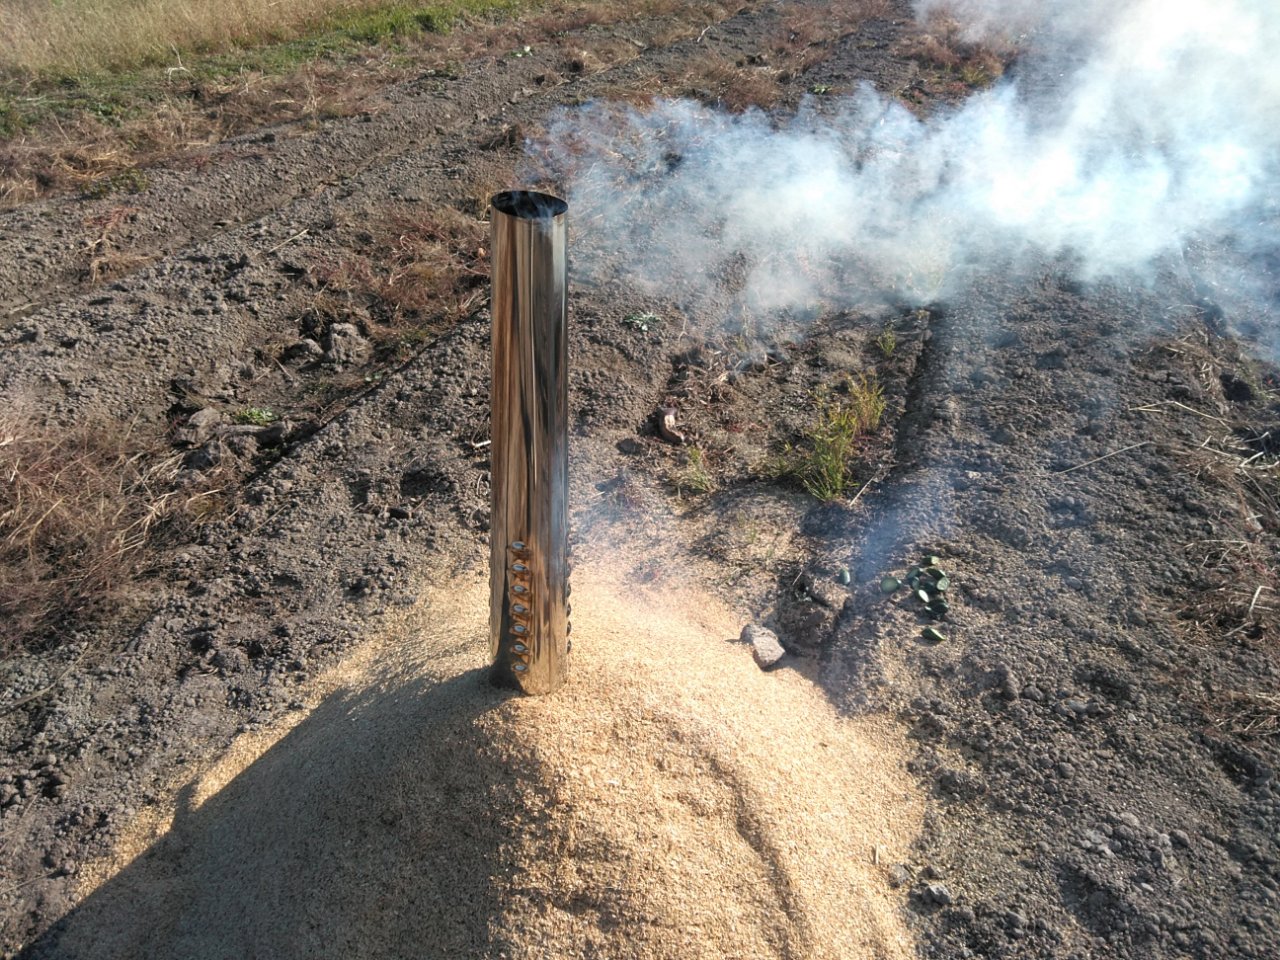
(368, 830)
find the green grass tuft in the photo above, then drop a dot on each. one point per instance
(887, 341)
(255, 416)
(696, 476)
(821, 461)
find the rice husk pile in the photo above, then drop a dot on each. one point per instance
(672, 801)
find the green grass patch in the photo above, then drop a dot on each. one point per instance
(821, 461)
(696, 475)
(255, 416)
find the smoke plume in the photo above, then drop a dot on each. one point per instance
(1126, 133)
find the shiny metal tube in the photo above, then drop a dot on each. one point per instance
(528, 528)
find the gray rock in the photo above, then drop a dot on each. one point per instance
(899, 876)
(209, 456)
(346, 346)
(304, 350)
(200, 426)
(244, 447)
(937, 893)
(765, 646)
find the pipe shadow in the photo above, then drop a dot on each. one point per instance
(370, 829)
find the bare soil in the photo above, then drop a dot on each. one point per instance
(277, 743)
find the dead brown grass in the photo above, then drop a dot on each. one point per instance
(734, 86)
(806, 38)
(939, 43)
(181, 113)
(422, 271)
(104, 260)
(95, 35)
(1247, 714)
(84, 153)
(808, 33)
(78, 508)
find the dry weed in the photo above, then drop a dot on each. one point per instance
(422, 270)
(939, 43)
(78, 508)
(66, 142)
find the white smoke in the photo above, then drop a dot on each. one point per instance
(1130, 130)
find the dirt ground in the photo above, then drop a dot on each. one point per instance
(277, 743)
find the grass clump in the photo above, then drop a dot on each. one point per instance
(887, 341)
(821, 462)
(255, 416)
(78, 507)
(419, 272)
(642, 321)
(696, 476)
(940, 43)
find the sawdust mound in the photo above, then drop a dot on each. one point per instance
(672, 802)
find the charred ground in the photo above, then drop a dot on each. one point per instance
(300, 316)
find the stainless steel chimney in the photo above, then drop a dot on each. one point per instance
(528, 530)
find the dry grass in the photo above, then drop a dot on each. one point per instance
(736, 87)
(1251, 714)
(939, 43)
(806, 38)
(78, 507)
(103, 259)
(84, 152)
(808, 33)
(421, 271)
(85, 36)
(82, 132)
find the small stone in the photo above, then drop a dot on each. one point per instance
(346, 346)
(304, 350)
(899, 876)
(200, 426)
(937, 893)
(1180, 838)
(765, 646)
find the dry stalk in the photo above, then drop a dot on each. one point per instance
(79, 506)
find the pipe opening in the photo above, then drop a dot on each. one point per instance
(529, 205)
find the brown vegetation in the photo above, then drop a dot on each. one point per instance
(82, 132)
(78, 508)
(419, 272)
(109, 34)
(939, 44)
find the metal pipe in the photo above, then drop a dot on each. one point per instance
(528, 527)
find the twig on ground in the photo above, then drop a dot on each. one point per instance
(32, 697)
(1154, 408)
(284, 243)
(1106, 456)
